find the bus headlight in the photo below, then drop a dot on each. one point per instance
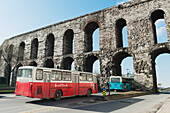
(31, 86)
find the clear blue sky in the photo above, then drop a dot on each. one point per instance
(20, 16)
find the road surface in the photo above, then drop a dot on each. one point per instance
(9, 103)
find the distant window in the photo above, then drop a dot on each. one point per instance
(66, 76)
(39, 74)
(56, 75)
(89, 77)
(83, 77)
(115, 80)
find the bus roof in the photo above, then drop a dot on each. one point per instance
(33, 67)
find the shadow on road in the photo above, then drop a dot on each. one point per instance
(67, 100)
(109, 106)
(84, 103)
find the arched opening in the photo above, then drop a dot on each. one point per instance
(162, 69)
(49, 63)
(96, 67)
(73, 66)
(158, 26)
(14, 74)
(7, 72)
(7, 69)
(117, 60)
(21, 51)
(67, 63)
(121, 33)
(10, 53)
(49, 45)
(68, 42)
(91, 37)
(34, 48)
(89, 64)
(96, 41)
(127, 68)
(33, 64)
(160, 60)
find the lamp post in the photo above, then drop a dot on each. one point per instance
(127, 71)
(108, 76)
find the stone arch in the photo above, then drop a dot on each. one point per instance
(34, 48)
(154, 54)
(88, 62)
(88, 30)
(49, 63)
(21, 51)
(66, 63)
(14, 74)
(68, 42)
(155, 16)
(7, 69)
(10, 52)
(120, 24)
(7, 72)
(116, 60)
(33, 63)
(49, 45)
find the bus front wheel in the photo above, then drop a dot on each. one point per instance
(57, 95)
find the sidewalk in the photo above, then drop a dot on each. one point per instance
(165, 108)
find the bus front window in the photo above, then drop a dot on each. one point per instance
(115, 80)
(26, 73)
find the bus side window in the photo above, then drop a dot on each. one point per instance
(66, 76)
(89, 77)
(39, 74)
(83, 77)
(56, 75)
(94, 79)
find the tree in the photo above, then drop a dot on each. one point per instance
(10, 59)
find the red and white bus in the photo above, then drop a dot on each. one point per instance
(39, 82)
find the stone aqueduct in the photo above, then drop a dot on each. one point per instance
(52, 46)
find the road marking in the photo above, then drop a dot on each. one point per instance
(4, 99)
(45, 109)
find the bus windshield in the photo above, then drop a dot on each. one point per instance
(27, 73)
(115, 80)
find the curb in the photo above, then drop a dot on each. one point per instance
(123, 96)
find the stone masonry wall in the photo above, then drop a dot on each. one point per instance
(141, 42)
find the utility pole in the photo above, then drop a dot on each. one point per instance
(108, 77)
(127, 71)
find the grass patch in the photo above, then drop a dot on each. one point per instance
(7, 91)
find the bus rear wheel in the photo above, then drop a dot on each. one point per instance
(89, 92)
(57, 95)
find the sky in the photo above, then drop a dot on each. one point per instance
(21, 16)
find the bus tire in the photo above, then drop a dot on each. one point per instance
(57, 95)
(89, 93)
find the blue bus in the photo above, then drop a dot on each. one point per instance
(120, 83)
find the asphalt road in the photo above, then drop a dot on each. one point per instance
(9, 103)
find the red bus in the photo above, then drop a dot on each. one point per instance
(39, 82)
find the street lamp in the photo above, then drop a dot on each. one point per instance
(127, 71)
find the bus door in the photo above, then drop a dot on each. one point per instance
(75, 80)
(46, 88)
